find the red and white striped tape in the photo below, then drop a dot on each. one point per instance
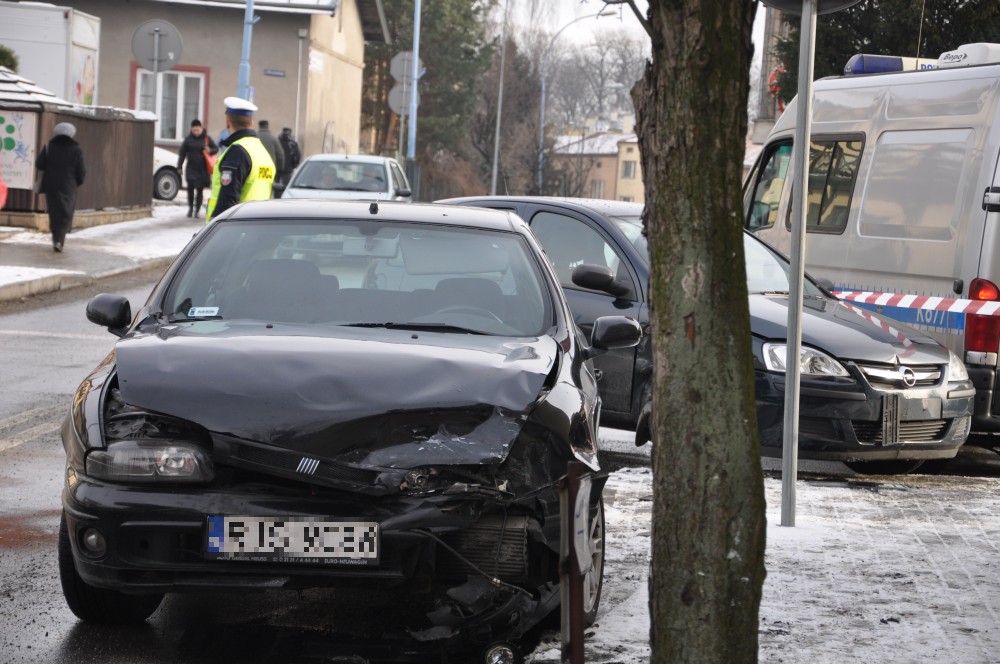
(908, 345)
(951, 305)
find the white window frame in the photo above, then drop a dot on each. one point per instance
(628, 169)
(597, 188)
(182, 126)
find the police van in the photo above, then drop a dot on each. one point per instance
(903, 198)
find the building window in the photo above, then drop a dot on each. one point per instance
(176, 97)
(628, 199)
(629, 150)
(597, 188)
(628, 170)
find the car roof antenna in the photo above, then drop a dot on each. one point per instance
(373, 208)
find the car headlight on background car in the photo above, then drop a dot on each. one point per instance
(812, 362)
(956, 368)
(154, 461)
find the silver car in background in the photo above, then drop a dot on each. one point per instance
(349, 177)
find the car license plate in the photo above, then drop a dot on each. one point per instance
(294, 539)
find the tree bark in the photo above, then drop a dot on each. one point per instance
(709, 523)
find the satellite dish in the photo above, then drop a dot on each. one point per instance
(157, 45)
(822, 6)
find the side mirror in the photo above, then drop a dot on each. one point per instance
(613, 332)
(824, 283)
(277, 188)
(600, 278)
(405, 193)
(111, 311)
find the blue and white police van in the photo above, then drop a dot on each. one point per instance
(903, 206)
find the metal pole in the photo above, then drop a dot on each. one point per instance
(496, 134)
(243, 83)
(800, 167)
(411, 142)
(541, 130)
(543, 71)
(298, 84)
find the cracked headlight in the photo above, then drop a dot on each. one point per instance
(812, 362)
(154, 461)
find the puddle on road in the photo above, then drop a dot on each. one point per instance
(25, 530)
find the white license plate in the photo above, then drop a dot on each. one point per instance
(303, 540)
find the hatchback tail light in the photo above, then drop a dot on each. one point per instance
(982, 333)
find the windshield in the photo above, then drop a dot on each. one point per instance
(363, 273)
(767, 271)
(341, 176)
(631, 227)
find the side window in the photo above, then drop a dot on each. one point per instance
(761, 203)
(569, 242)
(398, 181)
(833, 167)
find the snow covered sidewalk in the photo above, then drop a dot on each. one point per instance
(883, 571)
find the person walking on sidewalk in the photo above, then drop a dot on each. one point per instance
(245, 171)
(62, 170)
(293, 155)
(193, 150)
(271, 144)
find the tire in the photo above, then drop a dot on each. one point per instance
(890, 467)
(593, 580)
(643, 427)
(166, 184)
(99, 605)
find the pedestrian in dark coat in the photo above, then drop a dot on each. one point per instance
(192, 150)
(61, 164)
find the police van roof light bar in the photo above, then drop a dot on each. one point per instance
(863, 63)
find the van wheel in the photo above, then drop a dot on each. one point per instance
(99, 605)
(166, 184)
(890, 467)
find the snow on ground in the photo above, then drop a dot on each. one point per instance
(878, 570)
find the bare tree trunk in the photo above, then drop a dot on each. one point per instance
(709, 523)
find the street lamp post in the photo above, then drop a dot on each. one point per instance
(303, 33)
(542, 71)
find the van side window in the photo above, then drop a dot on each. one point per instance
(761, 209)
(833, 167)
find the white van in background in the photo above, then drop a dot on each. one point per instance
(904, 197)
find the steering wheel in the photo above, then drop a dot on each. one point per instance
(470, 309)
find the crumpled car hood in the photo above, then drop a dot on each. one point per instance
(846, 332)
(372, 396)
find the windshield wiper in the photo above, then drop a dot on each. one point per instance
(774, 293)
(433, 327)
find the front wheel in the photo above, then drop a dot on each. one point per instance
(889, 467)
(593, 579)
(99, 605)
(166, 184)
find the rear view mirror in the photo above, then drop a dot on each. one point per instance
(599, 278)
(612, 333)
(111, 311)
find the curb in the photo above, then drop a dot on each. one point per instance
(56, 282)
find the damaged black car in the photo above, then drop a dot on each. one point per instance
(337, 394)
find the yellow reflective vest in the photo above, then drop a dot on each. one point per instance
(257, 186)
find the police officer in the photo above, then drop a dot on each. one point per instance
(245, 171)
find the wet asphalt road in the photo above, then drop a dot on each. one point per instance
(48, 348)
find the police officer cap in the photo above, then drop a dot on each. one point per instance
(238, 106)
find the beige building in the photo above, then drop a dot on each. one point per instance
(629, 186)
(605, 165)
(306, 64)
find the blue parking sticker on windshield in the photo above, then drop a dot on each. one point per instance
(200, 312)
